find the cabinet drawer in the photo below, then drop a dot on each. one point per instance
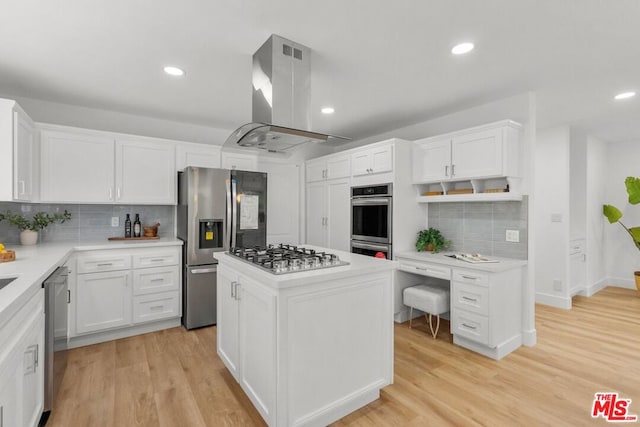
(164, 305)
(470, 325)
(156, 279)
(470, 276)
(103, 263)
(470, 297)
(156, 259)
(425, 269)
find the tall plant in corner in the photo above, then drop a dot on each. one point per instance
(614, 215)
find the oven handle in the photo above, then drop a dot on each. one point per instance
(370, 201)
(373, 247)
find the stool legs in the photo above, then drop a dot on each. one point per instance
(410, 316)
(434, 333)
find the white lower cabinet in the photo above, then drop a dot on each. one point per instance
(246, 337)
(22, 365)
(120, 288)
(103, 301)
(486, 310)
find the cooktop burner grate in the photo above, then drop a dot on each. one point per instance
(285, 258)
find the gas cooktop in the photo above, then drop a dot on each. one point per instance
(283, 258)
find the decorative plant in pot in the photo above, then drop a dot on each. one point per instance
(614, 214)
(29, 227)
(431, 240)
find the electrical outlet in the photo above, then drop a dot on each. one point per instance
(115, 221)
(556, 217)
(513, 236)
(557, 285)
(25, 208)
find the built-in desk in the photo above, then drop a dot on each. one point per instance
(486, 299)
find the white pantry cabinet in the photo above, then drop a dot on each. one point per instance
(197, 155)
(378, 159)
(328, 214)
(328, 167)
(19, 160)
(119, 288)
(80, 166)
(246, 337)
(22, 365)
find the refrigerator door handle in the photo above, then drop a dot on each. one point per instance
(203, 270)
(234, 226)
(229, 216)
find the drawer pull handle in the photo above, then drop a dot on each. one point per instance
(469, 299)
(155, 308)
(105, 264)
(422, 269)
(157, 280)
(157, 260)
(470, 277)
(469, 326)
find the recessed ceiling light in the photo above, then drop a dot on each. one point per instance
(462, 48)
(625, 95)
(327, 110)
(174, 71)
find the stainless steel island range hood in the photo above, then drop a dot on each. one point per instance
(281, 107)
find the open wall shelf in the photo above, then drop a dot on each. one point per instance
(474, 190)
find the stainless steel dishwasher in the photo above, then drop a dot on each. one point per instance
(56, 298)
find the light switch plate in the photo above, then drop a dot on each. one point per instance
(115, 221)
(513, 236)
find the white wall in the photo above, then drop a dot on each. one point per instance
(622, 257)
(596, 224)
(578, 185)
(551, 188)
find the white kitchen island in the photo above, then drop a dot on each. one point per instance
(308, 347)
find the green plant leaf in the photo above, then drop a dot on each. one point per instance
(612, 213)
(633, 189)
(635, 234)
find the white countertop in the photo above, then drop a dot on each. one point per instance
(358, 265)
(440, 258)
(34, 264)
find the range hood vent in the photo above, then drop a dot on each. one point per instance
(281, 107)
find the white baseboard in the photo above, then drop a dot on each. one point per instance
(496, 353)
(529, 337)
(598, 286)
(553, 300)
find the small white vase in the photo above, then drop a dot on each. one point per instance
(28, 237)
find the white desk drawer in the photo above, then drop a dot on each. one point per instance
(164, 305)
(425, 269)
(156, 259)
(90, 264)
(470, 325)
(470, 297)
(156, 279)
(470, 276)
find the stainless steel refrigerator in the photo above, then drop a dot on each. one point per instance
(217, 209)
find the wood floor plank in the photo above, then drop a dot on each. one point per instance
(175, 378)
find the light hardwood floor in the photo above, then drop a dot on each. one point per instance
(174, 377)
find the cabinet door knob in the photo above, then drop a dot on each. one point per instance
(453, 170)
(446, 170)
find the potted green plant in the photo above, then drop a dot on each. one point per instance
(29, 227)
(614, 215)
(431, 240)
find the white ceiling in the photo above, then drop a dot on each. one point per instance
(381, 64)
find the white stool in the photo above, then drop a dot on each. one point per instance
(430, 299)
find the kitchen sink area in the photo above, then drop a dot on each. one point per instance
(4, 281)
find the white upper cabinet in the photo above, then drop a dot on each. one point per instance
(488, 151)
(145, 172)
(198, 155)
(79, 166)
(76, 168)
(378, 159)
(244, 162)
(19, 148)
(328, 168)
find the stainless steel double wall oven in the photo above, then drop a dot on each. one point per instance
(371, 219)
